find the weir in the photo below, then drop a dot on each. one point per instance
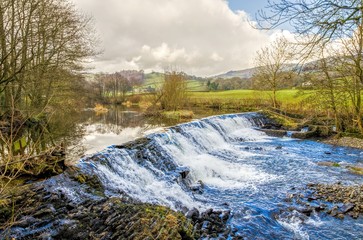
(225, 162)
(222, 162)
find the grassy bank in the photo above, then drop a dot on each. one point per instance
(284, 96)
(248, 100)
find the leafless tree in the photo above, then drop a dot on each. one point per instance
(271, 67)
(40, 41)
(324, 19)
(173, 94)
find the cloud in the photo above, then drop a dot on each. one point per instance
(201, 37)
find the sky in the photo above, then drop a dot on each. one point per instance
(199, 37)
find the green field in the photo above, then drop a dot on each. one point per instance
(291, 96)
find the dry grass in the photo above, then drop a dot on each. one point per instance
(99, 108)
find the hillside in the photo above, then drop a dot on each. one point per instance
(245, 73)
(154, 81)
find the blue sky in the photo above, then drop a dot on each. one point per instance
(249, 6)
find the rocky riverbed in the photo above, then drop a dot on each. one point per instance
(346, 142)
(41, 212)
(337, 200)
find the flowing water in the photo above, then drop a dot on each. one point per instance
(240, 168)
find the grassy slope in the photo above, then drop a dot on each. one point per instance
(155, 80)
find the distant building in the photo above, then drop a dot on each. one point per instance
(307, 84)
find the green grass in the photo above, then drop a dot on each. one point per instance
(290, 96)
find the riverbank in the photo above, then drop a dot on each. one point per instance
(353, 142)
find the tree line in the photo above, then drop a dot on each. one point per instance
(113, 87)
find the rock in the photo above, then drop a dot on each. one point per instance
(348, 200)
(319, 208)
(26, 221)
(347, 208)
(340, 216)
(193, 214)
(274, 133)
(306, 211)
(206, 225)
(183, 171)
(197, 187)
(278, 147)
(225, 215)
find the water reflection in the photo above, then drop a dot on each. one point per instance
(85, 132)
(117, 126)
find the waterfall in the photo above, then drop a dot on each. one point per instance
(208, 149)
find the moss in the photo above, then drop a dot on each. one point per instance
(92, 181)
(336, 165)
(156, 221)
(80, 178)
(285, 121)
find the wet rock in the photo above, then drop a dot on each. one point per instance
(183, 171)
(347, 208)
(340, 216)
(306, 211)
(206, 225)
(345, 200)
(106, 218)
(225, 215)
(26, 221)
(319, 208)
(197, 187)
(274, 132)
(193, 214)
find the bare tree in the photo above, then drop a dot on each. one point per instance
(40, 40)
(351, 69)
(271, 67)
(173, 94)
(324, 19)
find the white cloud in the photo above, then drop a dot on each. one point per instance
(202, 37)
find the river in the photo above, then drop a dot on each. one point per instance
(241, 169)
(222, 162)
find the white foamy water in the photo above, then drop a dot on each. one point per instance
(206, 148)
(122, 174)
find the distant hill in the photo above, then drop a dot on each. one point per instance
(154, 80)
(246, 73)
